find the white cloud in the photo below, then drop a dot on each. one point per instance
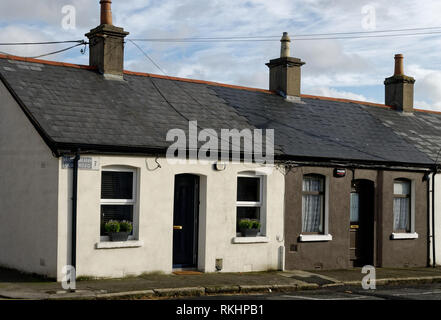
(330, 64)
(22, 33)
(329, 92)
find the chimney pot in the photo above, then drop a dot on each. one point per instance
(285, 47)
(106, 12)
(399, 88)
(399, 69)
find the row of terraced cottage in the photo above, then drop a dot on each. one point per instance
(353, 183)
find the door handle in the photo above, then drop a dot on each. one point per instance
(177, 227)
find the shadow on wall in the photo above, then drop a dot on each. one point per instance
(11, 275)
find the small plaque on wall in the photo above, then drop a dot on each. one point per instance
(85, 163)
(339, 173)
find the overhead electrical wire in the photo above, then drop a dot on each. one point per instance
(154, 84)
(176, 83)
(39, 43)
(304, 37)
(148, 57)
(364, 32)
(196, 40)
(301, 37)
(369, 36)
(59, 51)
(82, 43)
(298, 37)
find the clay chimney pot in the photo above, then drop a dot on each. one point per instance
(285, 47)
(106, 11)
(399, 69)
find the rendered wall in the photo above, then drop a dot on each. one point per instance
(217, 227)
(334, 254)
(28, 194)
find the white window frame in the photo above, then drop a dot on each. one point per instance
(412, 234)
(260, 204)
(325, 236)
(122, 202)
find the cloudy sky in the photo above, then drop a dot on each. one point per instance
(350, 68)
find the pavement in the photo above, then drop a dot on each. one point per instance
(348, 293)
(14, 285)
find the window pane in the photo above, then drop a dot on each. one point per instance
(247, 213)
(248, 189)
(402, 187)
(117, 185)
(402, 214)
(312, 184)
(118, 213)
(312, 213)
(355, 207)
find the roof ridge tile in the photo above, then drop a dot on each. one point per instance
(212, 83)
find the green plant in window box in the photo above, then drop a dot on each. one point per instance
(126, 226)
(118, 230)
(249, 227)
(112, 226)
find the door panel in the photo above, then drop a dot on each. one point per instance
(361, 233)
(185, 221)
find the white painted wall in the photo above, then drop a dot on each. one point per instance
(156, 189)
(28, 194)
(437, 219)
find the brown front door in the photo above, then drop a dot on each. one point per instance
(361, 223)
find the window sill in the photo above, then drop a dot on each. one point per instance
(238, 240)
(117, 245)
(404, 236)
(315, 237)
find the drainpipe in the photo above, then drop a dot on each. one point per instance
(433, 216)
(74, 209)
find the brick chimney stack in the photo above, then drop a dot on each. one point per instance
(399, 88)
(285, 72)
(106, 43)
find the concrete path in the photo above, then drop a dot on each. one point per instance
(153, 286)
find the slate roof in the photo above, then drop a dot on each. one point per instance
(73, 105)
(422, 129)
(322, 128)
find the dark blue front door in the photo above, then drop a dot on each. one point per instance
(185, 221)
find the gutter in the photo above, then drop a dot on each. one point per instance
(365, 165)
(433, 217)
(65, 149)
(74, 210)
